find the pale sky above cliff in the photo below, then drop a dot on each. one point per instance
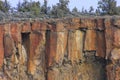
(78, 3)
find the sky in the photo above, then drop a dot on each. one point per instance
(73, 3)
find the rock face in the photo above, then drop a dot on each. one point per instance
(61, 49)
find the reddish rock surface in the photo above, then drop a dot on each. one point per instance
(9, 45)
(90, 40)
(109, 37)
(116, 36)
(101, 47)
(59, 49)
(26, 27)
(15, 30)
(1, 46)
(37, 50)
(37, 26)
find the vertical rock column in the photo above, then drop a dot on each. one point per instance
(92, 67)
(10, 60)
(56, 48)
(36, 56)
(113, 65)
(1, 46)
(75, 46)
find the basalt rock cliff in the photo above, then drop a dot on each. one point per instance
(86, 48)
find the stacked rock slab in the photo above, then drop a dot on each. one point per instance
(84, 48)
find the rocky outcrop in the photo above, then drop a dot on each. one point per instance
(60, 49)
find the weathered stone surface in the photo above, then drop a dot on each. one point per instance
(117, 73)
(110, 72)
(53, 74)
(61, 46)
(117, 22)
(90, 40)
(100, 24)
(51, 46)
(26, 27)
(88, 23)
(61, 49)
(37, 26)
(56, 47)
(75, 45)
(9, 46)
(15, 30)
(1, 46)
(100, 47)
(37, 52)
(108, 37)
(115, 54)
(72, 23)
(59, 26)
(113, 72)
(116, 36)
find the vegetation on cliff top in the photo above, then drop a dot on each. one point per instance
(34, 9)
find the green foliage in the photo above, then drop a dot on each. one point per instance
(107, 7)
(74, 9)
(32, 6)
(118, 10)
(97, 12)
(91, 9)
(61, 9)
(44, 8)
(4, 6)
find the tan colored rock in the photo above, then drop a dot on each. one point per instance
(60, 26)
(115, 54)
(101, 47)
(117, 73)
(53, 74)
(88, 23)
(37, 51)
(100, 24)
(90, 40)
(75, 45)
(61, 46)
(117, 22)
(108, 37)
(15, 30)
(56, 46)
(110, 72)
(116, 35)
(26, 27)
(7, 29)
(72, 23)
(9, 46)
(37, 26)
